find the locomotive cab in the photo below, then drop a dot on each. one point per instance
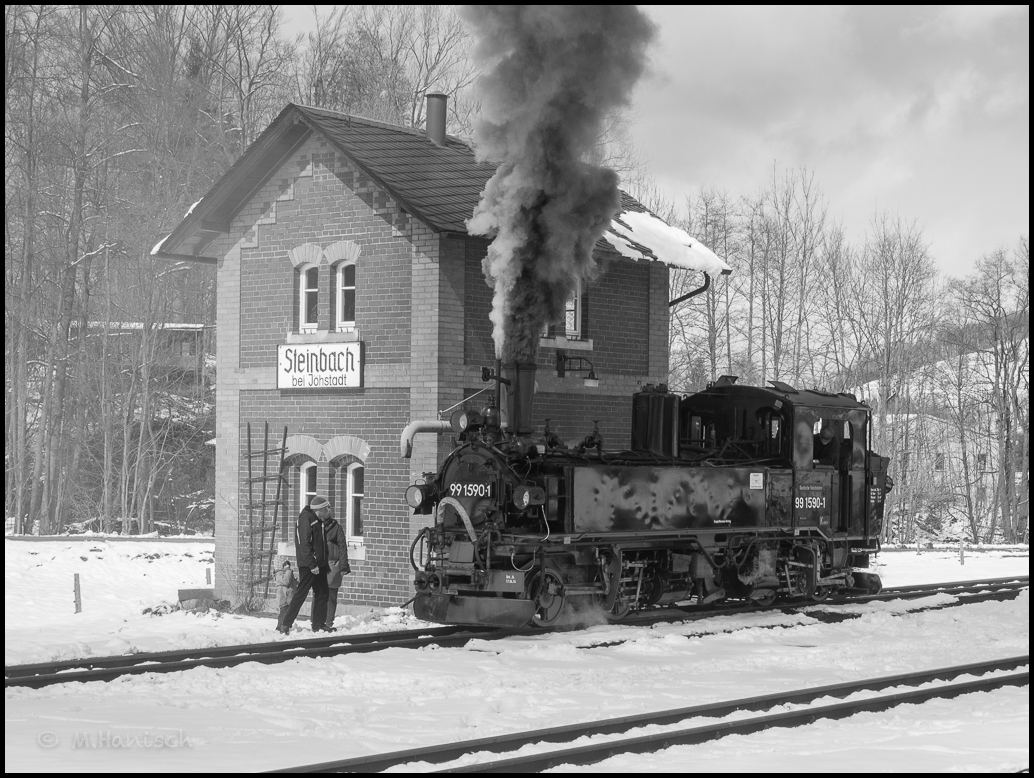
(782, 427)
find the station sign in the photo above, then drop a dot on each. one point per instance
(319, 366)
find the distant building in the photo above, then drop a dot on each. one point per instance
(351, 301)
(181, 349)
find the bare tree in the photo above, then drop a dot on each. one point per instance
(894, 307)
(997, 297)
(380, 61)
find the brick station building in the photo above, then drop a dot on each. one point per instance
(351, 301)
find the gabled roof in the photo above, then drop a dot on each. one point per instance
(440, 185)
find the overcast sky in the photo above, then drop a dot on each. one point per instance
(923, 112)
(918, 111)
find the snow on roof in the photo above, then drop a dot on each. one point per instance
(190, 210)
(158, 245)
(670, 245)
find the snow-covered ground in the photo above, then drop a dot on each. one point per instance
(122, 584)
(256, 717)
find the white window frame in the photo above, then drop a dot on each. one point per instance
(304, 495)
(303, 291)
(576, 333)
(342, 324)
(350, 535)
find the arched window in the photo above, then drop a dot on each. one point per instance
(354, 485)
(306, 484)
(309, 299)
(345, 288)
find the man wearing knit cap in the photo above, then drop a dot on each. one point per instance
(310, 546)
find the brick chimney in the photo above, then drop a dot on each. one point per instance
(436, 103)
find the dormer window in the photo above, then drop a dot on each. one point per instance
(345, 315)
(309, 304)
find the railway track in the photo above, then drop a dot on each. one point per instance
(978, 590)
(596, 752)
(42, 674)
(108, 668)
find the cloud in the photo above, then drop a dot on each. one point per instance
(878, 101)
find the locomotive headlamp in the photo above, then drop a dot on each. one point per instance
(415, 496)
(460, 420)
(526, 496)
(419, 496)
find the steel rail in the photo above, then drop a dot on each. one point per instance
(977, 588)
(273, 646)
(595, 752)
(37, 675)
(109, 668)
(650, 743)
(976, 582)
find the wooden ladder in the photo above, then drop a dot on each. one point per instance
(261, 529)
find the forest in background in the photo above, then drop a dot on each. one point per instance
(119, 117)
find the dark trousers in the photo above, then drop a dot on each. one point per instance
(332, 607)
(320, 593)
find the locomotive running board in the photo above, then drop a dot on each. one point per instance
(478, 611)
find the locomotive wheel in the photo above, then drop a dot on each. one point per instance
(620, 610)
(821, 594)
(547, 589)
(766, 599)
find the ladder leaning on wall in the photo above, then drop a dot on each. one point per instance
(263, 508)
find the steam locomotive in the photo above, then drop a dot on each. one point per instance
(720, 496)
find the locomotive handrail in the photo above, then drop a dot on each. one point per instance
(465, 399)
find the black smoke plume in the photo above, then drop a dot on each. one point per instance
(551, 74)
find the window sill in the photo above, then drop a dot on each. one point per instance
(323, 336)
(562, 342)
(356, 550)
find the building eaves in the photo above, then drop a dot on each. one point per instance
(439, 185)
(210, 217)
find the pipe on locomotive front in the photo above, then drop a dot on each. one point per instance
(414, 428)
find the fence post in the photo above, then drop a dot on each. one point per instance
(962, 553)
(78, 599)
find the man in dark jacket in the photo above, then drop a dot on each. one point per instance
(337, 560)
(827, 446)
(310, 546)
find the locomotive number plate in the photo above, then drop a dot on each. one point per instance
(468, 489)
(810, 503)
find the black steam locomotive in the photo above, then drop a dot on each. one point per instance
(721, 496)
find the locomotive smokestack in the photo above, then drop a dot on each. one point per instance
(436, 104)
(520, 395)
